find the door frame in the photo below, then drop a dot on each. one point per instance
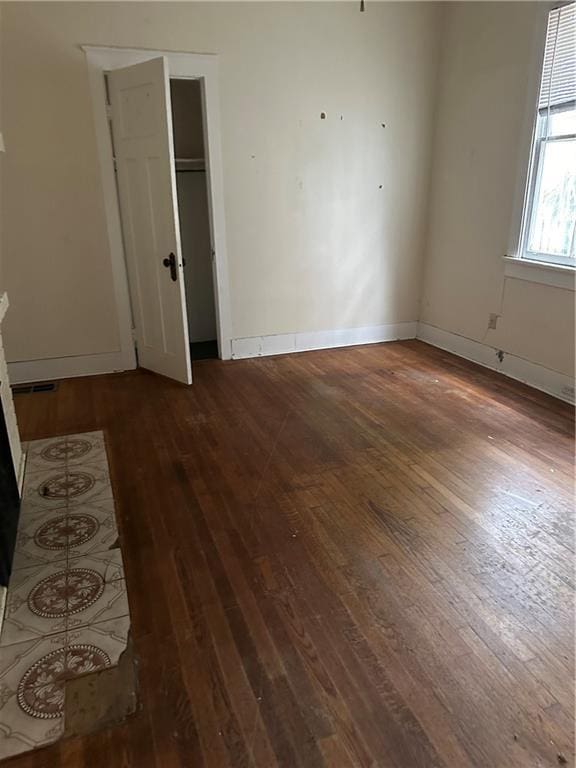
(194, 66)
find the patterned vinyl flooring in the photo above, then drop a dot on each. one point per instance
(67, 608)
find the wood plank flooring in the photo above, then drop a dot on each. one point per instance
(355, 557)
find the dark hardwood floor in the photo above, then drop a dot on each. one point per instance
(355, 557)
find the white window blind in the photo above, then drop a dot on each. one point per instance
(549, 219)
(558, 84)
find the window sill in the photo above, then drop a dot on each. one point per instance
(556, 275)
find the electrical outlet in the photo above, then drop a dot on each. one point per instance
(492, 321)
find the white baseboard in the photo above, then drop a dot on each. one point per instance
(284, 343)
(65, 367)
(538, 376)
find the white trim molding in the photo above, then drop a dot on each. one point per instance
(528, 126)
(112, 212)
(21, 471)
(203, 67)
(28, 371)
(4, 304)
(538, 376)
(284, 343)
(555, 275)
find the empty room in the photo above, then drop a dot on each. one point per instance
(287, 384)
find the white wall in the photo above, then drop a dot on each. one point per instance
(325, 218)
(484, 91)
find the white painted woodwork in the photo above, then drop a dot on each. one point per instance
(203, 67)
(540, 377)
(142, 127)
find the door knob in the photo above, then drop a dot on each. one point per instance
(170, 263)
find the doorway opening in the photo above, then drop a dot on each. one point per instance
(194, 216)
(146, 193)
(193, 251)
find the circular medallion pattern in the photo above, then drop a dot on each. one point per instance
(66, 531)
(41, 692)
(65, 593)
(66, 485)
(70, 448)
(83, 658)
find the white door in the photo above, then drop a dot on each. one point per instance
(143, 142)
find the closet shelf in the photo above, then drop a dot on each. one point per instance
(183, 163)
(190, 164)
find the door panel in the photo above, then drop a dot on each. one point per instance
(142, 128)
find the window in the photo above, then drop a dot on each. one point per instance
(549, 218)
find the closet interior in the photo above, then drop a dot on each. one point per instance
(189, 152)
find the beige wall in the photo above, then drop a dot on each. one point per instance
(325, 218)
(488, 53)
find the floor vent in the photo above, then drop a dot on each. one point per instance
(28, 389)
